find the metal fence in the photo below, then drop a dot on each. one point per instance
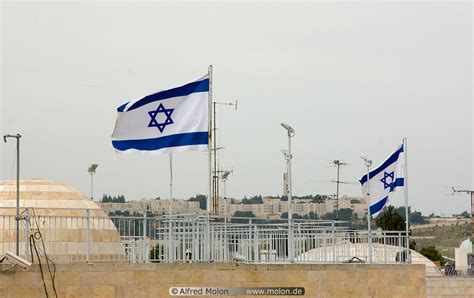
(89, 237)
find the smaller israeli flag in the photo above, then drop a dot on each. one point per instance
(169, 121)
(383, 180)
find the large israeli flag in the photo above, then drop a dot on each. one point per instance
(174, 120)
(383, 180)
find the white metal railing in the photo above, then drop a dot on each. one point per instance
(88, 237)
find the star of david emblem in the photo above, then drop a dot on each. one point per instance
(154, 122)
(386, 183)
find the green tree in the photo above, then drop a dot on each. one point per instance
(253, 200)
(202, 199)
(312, 215)
(114, 199)
(390, 220)
(329, 216)
(248, 214)
(415, 217)
(345, 214)
(433, 254)
(156, 253)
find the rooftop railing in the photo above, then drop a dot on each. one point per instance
(83, 235)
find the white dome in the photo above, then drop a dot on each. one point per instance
(466, 244)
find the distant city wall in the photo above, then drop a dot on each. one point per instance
(155, 280)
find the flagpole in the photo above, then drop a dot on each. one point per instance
(408, 258)
(207, 245)
(208, 207)
(369, 215)
(171, 209)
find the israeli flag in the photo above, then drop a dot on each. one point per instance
(169, 121)
(383, 180)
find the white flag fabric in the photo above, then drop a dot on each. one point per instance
(169, 121)
(383, 180)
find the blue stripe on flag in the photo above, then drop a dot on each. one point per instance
(378, 206)
(194, 87)
(399, 182)
(393, 158)
(122, 107)
(176, 140)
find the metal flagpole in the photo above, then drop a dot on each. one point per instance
(207, 239)
(171, 211)
(209, 149)
(215, 177)
(408, 257)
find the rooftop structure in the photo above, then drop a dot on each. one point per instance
(72, 227)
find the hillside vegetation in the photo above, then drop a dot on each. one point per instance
(445, 238)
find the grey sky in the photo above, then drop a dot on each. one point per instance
(351, 78)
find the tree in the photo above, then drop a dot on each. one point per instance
(329, 216)
(390, 220)
(253, 200)
(433, 254)
(114, 199)
(156, 253)
(248, 214)
(202, 199)
(345, 214)
(312, 215)
(415, 217)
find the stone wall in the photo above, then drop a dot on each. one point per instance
(155, 280)
(449, 287)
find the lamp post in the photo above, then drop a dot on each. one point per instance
(224, 178)
(91, 171)
(288, 157)
(368, 163)
(17, 217)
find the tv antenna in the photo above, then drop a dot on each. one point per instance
(471, 192)
(338, 163)
(215, 176)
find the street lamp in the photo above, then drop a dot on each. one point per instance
(17, 137)
(368, 163)
(289, 157)
(224, 178)
(91, 171)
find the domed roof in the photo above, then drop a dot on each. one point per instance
(73, 228)
(47, 197)
(466, 244)
(380, 254)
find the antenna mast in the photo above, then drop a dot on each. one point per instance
(338, 163)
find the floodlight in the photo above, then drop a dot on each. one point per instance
(92, 168)
(291, 131)
(368, 162)
(17, 260)
(226, 175)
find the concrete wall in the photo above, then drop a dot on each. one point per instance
(155, 280)
(449, 287)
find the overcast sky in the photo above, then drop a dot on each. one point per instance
(352, 79)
